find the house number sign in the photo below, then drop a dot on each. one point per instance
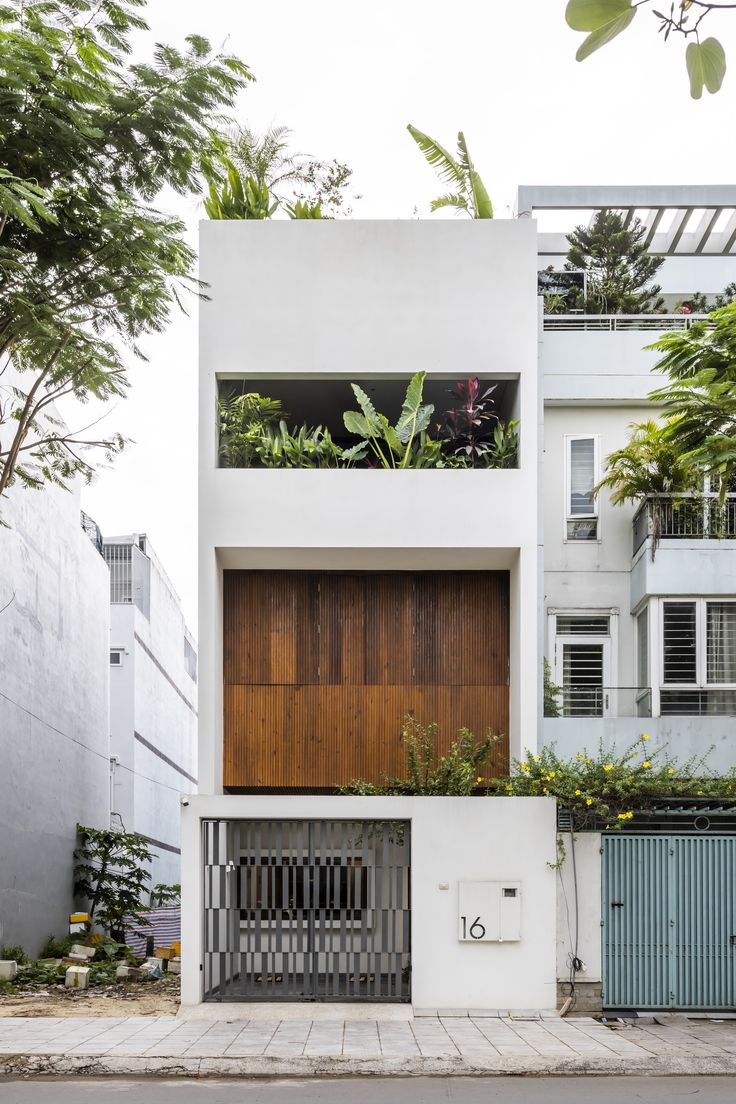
(489, 912)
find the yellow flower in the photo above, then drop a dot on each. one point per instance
(525, 766)
(608, 766)
(580, 758)
(545, 790)
(587, 760)
(622, 816)
(645, 736)
(537, 758)
(551, 775)
(589, 801)
(646, 763)
(578, 793)
(479, 779)
(509, 789)
(671, 770)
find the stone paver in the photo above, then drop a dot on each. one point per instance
(429, 1044)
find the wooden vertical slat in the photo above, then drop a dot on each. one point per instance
(321, 668)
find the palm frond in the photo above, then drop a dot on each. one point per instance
(456, 200)
(438, 157)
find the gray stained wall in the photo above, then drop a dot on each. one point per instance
(54, 742)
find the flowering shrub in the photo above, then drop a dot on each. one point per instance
(607, 788)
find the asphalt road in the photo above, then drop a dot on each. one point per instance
(377, 1090)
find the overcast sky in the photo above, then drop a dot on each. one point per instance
(347, 77)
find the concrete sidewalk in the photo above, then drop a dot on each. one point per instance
(166, 1045)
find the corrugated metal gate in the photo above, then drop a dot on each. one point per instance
(669, 922)
(307, 910)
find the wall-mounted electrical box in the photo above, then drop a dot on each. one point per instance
(489, 912)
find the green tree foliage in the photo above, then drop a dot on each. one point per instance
(428, 772)
(700, 395)
(603, 20)
(469, 195)
(111, 874)
(551, 692)
(88, 266)
(618, 267)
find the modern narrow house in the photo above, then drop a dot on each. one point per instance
(336, 601)
(153, 701)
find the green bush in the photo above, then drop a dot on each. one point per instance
(13, 952)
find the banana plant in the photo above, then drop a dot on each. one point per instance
(303, 209)
(390, 444)
(470, 195)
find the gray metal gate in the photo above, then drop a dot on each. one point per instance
(306, 910)
(669, 922)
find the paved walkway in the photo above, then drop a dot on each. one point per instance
(469, 1044)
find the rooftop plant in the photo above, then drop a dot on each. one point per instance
(618, 267)
(470, 196)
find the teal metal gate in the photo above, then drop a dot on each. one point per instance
(669, 922)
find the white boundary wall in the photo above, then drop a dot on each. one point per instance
(453, 839)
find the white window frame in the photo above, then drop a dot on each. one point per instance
(701, 643)
(609, 642)
(595, 515)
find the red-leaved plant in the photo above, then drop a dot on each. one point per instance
(467, 423)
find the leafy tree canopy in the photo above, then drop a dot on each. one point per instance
(700, 395)
(603, 20)
(617, 265)
(87, 265)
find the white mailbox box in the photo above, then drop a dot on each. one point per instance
(489, 912)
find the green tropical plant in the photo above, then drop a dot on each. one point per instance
(700, 395)
(470, 196)
(428, 772)
(301, 448)
(13, 952)
(304, 210)
(606, 789)
(619, 269)
(243, 421)
(88, 267)
(291, 177)
(163, 894)
(650, 463)
(604, 20)
(503, 450)
(551, 692)
(391, 445)
(110, 874)
(231, 197)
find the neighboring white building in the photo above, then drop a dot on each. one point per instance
(54, 706)
(153, 701)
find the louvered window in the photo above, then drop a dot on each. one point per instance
(582, 656)
(698, 658)
(581, 507)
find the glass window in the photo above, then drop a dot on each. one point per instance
(581, 507)
(721, 642)
(582, 680)
(642, 649)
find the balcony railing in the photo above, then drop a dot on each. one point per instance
(603, 701)
(617, 323)
(684, 517)
(698, 702)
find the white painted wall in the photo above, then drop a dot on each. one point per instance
(153, 698)
(361, 299)
(453, 840)
(579, 905)
(54, 743)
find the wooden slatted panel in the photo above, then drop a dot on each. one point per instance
(321, 668)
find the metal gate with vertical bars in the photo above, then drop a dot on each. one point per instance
(669, 922)
(306, 910)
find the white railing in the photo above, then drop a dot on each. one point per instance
(615, 323)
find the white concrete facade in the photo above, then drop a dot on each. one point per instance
(453, 840)
(54, 707)
(153, 707)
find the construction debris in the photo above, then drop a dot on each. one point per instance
(77, 977)
(8, 969)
